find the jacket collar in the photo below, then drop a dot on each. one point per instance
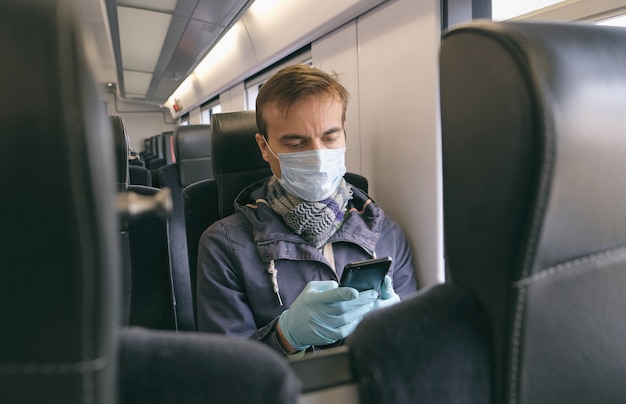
(275, 240)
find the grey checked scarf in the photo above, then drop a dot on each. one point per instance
(316, 222)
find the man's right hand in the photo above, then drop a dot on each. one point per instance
(324, 313)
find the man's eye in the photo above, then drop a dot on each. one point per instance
(293, 145)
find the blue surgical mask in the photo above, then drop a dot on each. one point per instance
(312, 175)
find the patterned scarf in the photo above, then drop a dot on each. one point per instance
(316, 222)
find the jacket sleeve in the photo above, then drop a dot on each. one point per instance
(404, 279)
(222, 304)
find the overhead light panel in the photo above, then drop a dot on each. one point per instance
(166, 6)
(137, 82)
(141, 43)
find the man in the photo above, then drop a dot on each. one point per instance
(270, 270)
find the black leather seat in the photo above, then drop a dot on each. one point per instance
(193, 164)
(193, 153)
(61, 340)
(59, 264)
(169, 154)
(158, 147)
(139, 175)
(147, 298)
(120, 139)
(534, 222)
(236, 163)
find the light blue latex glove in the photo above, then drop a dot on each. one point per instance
(324, 313)
(388, 296)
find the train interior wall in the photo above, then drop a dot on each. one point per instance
(140, 121)
(395, 110)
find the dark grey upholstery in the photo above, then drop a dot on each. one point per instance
(165, 367)
(201, 209)
(147, 298)
(193, 163)
(120, 149)
(151, 297)
(193, 153)
(533, 160)
(139, 175)
(535, 226)
(59, 262)
(169, 154)
(237, 161)
(432, 348)
(120, 139)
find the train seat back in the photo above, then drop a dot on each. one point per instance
(194, 153)
(120, 147)
(158, 160)
(237, 161)
(532, 118)
(193, 164)
(139, 175)
(120, 139)
(59, 264)
(147, 299)
(540, 233)
(169, 155)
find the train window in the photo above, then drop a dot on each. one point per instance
(507, 9)
(251, 93)
(254, 83)
(618, 21)
(184, 119)
(208, 109)
(591, 11)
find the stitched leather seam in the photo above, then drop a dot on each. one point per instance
(542, 201)
(52, 368)
(569, 265)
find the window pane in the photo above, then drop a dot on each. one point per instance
(505, 9)
(619, 21)
(205, 115)
(251, 94)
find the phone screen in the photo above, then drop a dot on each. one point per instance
(365, 275)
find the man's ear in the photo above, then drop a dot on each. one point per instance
(260, 141)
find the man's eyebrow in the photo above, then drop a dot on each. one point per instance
(295, 136)
(332, 130)
(291, 136)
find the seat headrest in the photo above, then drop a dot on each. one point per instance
(535, 106)
(237, 160)
(169, 147)
(120, 139)
(193, 153)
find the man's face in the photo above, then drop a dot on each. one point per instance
(313, 123)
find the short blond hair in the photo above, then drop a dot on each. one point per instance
(292, 84)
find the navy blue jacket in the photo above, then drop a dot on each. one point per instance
(235, 295)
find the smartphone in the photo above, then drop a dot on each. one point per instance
(365, 275)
